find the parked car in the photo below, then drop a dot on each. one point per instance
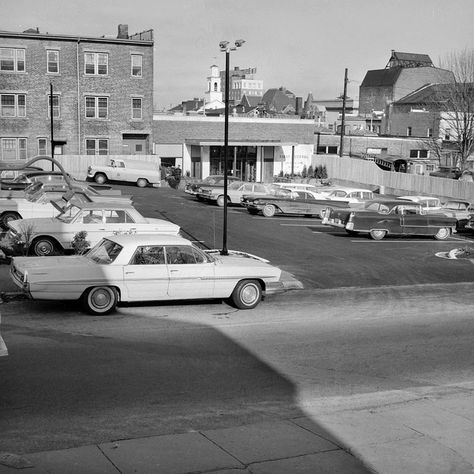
(146, 268)
(234, 192)
(26, 178)
(141, 172)
(293, 202)
(213, 180)
(451, 172)
(351, 195)
(54, 235)
(452, 208)
(380, 218)
(38, 202)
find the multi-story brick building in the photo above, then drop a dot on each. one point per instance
(101, 89)
(404, 73)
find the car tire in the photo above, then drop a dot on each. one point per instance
(377, 234)
(44, 247)
(443, 233)
(247, 294)
(220, 200)
(8, 216)
(100, 178)
(142, 183)
(100, 300)
(269, 210)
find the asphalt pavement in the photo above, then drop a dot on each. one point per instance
(426, 431)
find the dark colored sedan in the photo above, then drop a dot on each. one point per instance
(381, 218)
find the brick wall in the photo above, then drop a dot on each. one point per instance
(72, 85)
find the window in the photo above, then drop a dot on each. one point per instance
(419, 153)
(53, 61)
(12, 60)
(13, 149)
(42, 146)
(136, 108)
(55, 105)
(182, 254)
(96, 64)
(429, 133)
(409, 131)
(330, 150)
(97, 146)
(13, 105)
(97, 107)
(137, 65)
(447, 134)
(149, 256)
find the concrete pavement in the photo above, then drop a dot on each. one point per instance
(423, 430)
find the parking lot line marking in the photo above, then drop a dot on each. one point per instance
(369, 241)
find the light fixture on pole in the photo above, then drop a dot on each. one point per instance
(225, 48)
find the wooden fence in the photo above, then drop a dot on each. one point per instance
(367, 173)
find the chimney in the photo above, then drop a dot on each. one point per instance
(122, 32)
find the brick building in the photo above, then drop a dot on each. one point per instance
(102, 94)
(259, 149)
(404, 73)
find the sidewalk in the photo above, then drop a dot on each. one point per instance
(280, 447)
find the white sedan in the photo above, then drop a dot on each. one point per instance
(146, 268)
(235, 191)
(38, 202)
(49, 236)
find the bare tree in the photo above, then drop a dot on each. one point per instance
(456, 106)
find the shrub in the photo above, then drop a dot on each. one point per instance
(310, 172)
(14, 244)
(79, 243)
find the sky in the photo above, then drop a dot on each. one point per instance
(303, 45)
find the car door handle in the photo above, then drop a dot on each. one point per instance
(129, 273)
(173, 271)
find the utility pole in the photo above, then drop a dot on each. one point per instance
(343, 121)
(52, 123)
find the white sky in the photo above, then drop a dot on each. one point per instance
(304, 45)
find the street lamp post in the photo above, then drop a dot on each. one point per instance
(225, 48)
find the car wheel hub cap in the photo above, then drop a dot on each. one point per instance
(249, 294)
(101, 299)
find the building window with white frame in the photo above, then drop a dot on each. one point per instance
(137, 113)
(97, 107)
(42, 146)
(137, 65)
(429, 133)
(96, 64)
(97, 146)
(56, 106)
(419, 153)
(52, 57)
(12, 105)
(409, 131)
(13, 149)
(12, 60)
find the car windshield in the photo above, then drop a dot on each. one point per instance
(235, 185)
(104, 252)
(69, 214)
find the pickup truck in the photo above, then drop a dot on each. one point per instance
(143, 173)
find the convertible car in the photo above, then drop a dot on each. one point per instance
(50, 236)
(146, 268)
(381, 218)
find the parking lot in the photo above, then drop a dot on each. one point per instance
(318, 255)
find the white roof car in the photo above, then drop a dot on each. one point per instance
(146, 268)
(428, 202)
(38, 202)
(235, 192)
(352, 195)
(49, 236)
